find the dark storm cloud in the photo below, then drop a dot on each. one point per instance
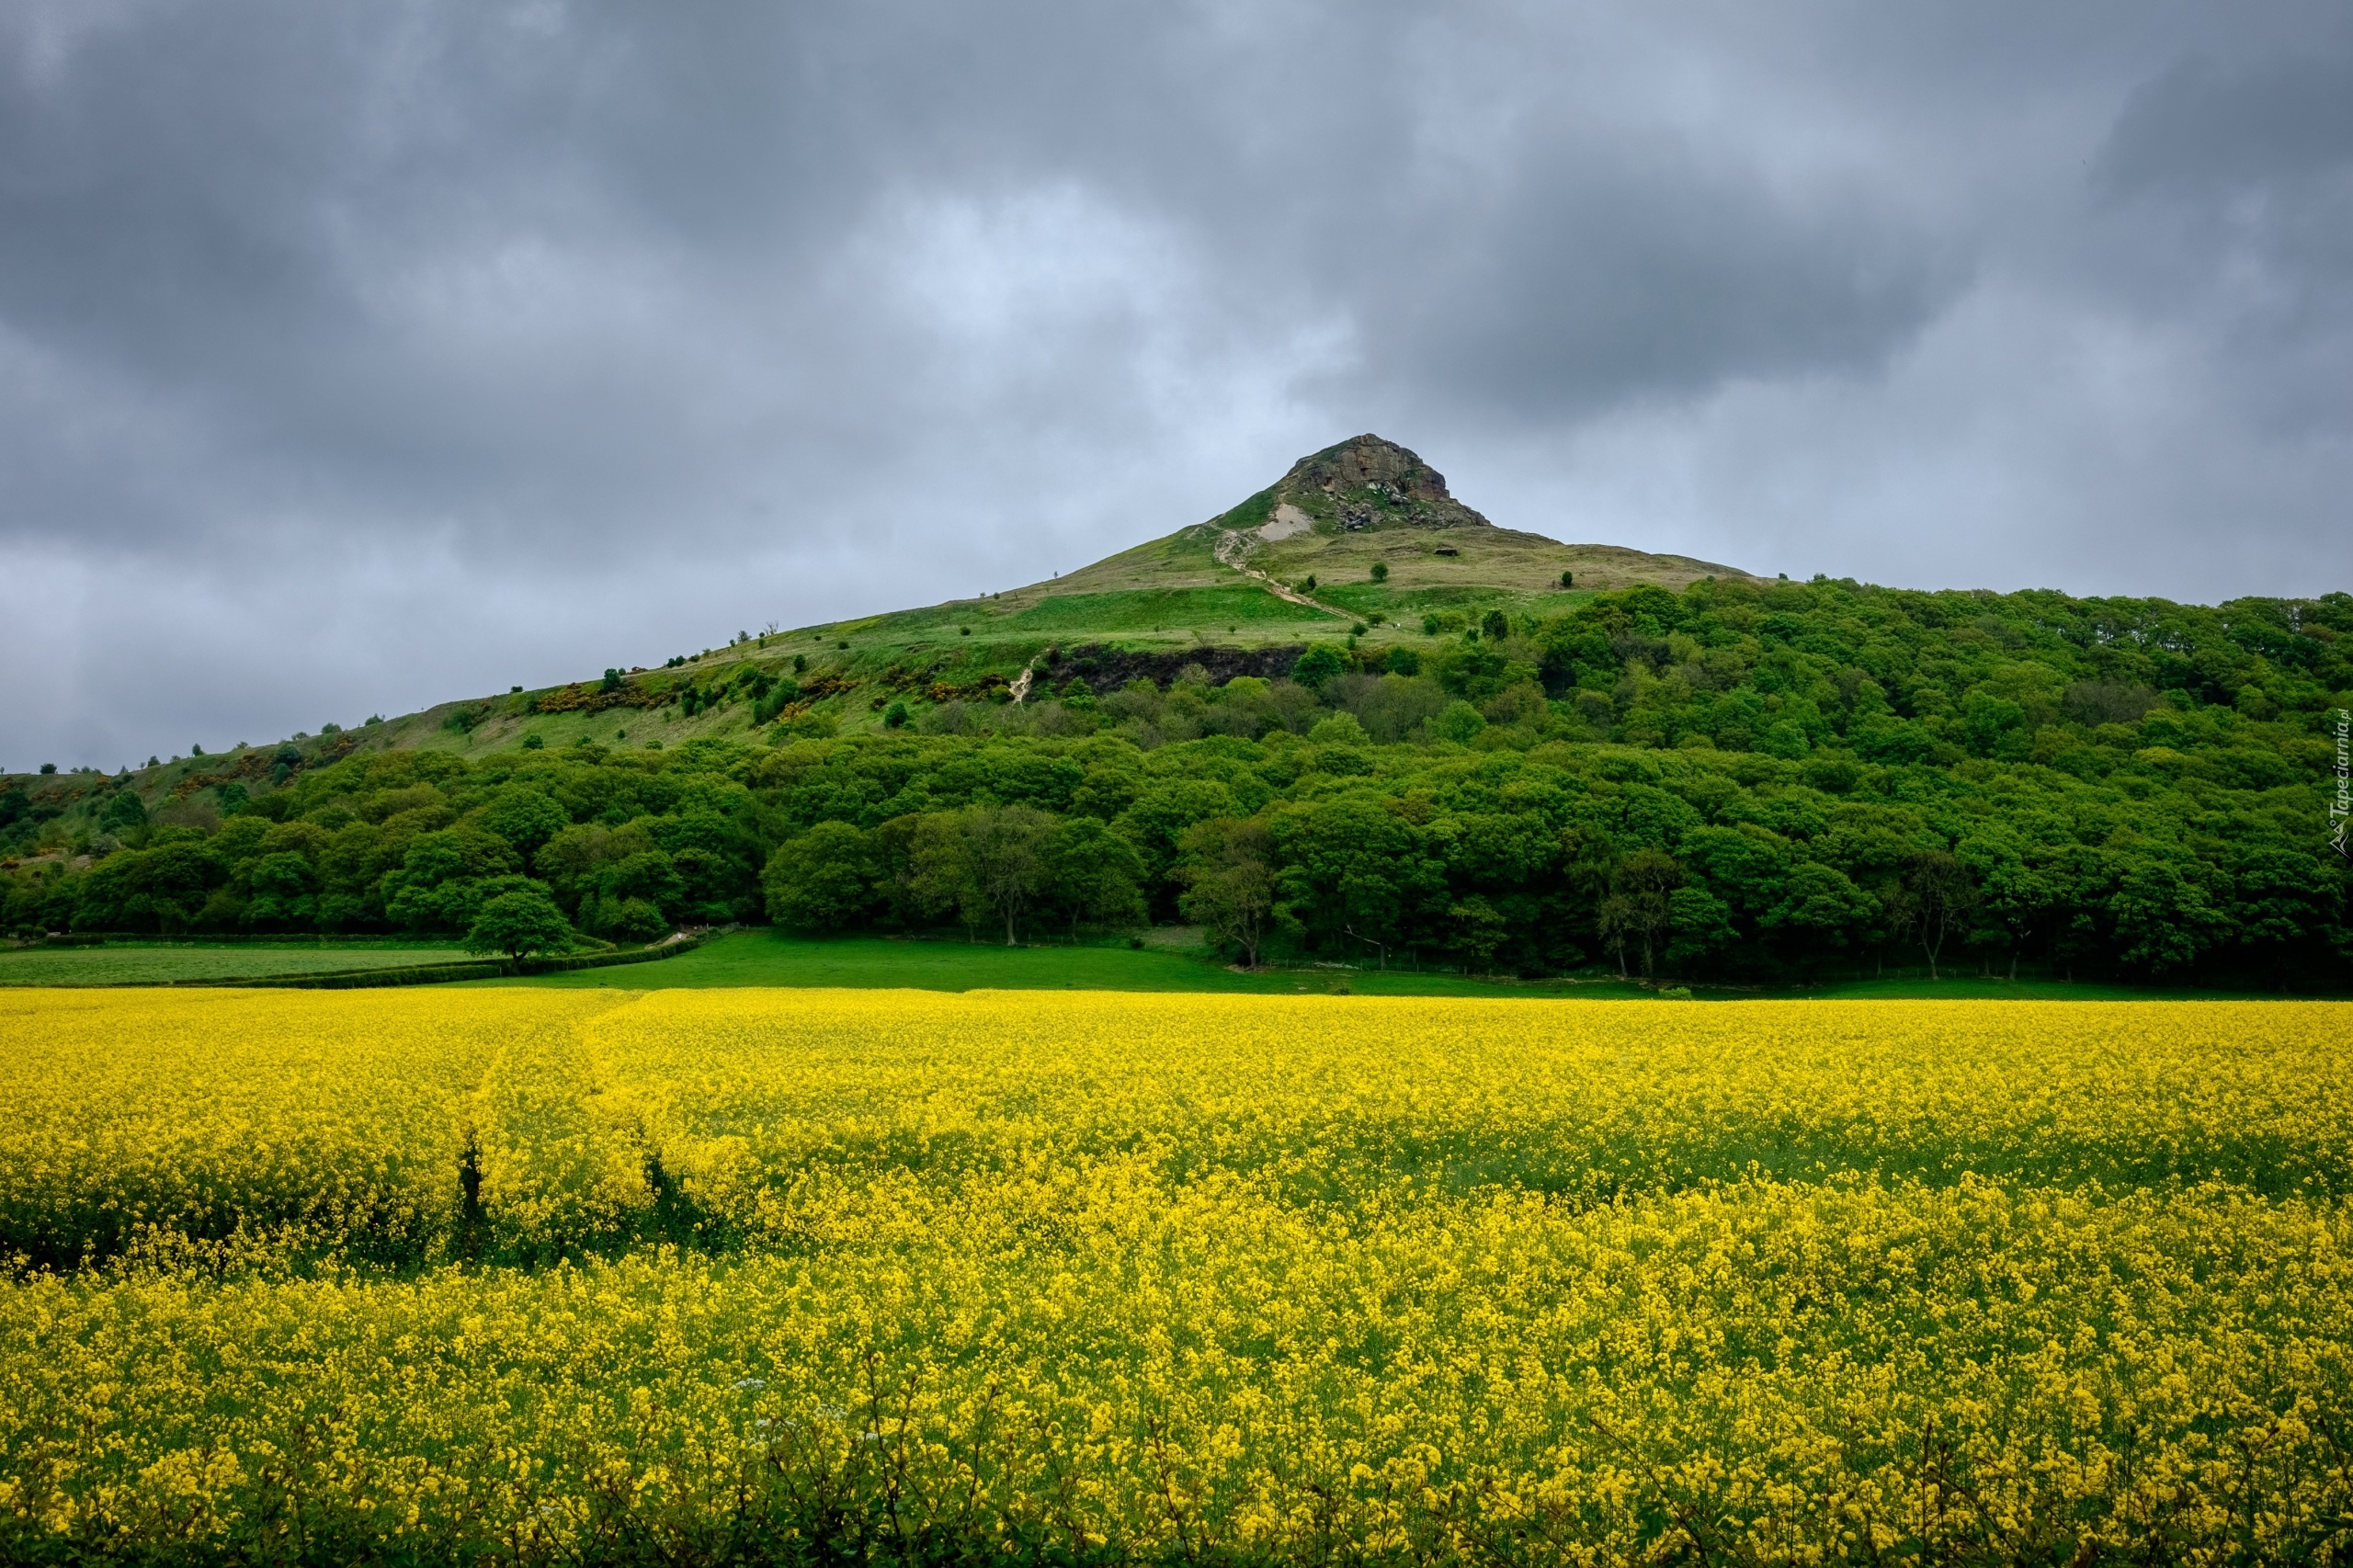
(355, 357)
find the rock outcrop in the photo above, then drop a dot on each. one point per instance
(1366, 483)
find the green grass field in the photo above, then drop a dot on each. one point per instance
(139, 963)
(771, 958)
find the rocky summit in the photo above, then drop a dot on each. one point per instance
(1362, 485)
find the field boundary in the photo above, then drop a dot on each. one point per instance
(439, 974)
(400, 974)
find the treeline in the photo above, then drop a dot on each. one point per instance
(1730, 781)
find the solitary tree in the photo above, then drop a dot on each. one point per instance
(1381, 570)
(1568, 579)
(523, 921)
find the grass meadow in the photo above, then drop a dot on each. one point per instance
(1171, 962)
(143, 963)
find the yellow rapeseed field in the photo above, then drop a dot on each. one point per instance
(525, 1275)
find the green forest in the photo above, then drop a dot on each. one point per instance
(1740, 780)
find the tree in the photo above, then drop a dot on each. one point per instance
(1381, 570)
(123, 813)
(1700, 922)
(1495, 625)
(516, 922)
(1005, 849)
(1460, 723)
(1095, 875)
(525, 818)
(1319, 665)
(822, 880)
(1228, 873)
(1351, 871)
(149, 890)
(1639, 908)
(1476, 930)
(2163, 918)
(1821, 902)
(895, 715)
(1568, 579)
(1937, 895)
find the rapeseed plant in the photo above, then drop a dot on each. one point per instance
(905, 1276)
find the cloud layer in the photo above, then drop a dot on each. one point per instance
(354, 359)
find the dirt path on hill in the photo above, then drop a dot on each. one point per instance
(1234, 545)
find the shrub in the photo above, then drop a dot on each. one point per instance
(1381, 570)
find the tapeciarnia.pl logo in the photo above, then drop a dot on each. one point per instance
(2340, 808)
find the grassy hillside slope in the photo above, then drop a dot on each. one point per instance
(1367, 504)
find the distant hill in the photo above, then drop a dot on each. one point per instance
(1229, 594)
(1352, 721)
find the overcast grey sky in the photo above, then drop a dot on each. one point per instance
(353, 358)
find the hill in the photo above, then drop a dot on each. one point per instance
(1231, 593)
(1250, 725)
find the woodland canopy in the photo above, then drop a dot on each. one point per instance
(1736, 781)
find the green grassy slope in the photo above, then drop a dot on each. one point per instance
(771, 958)
(123, 963)
(1169, 592)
